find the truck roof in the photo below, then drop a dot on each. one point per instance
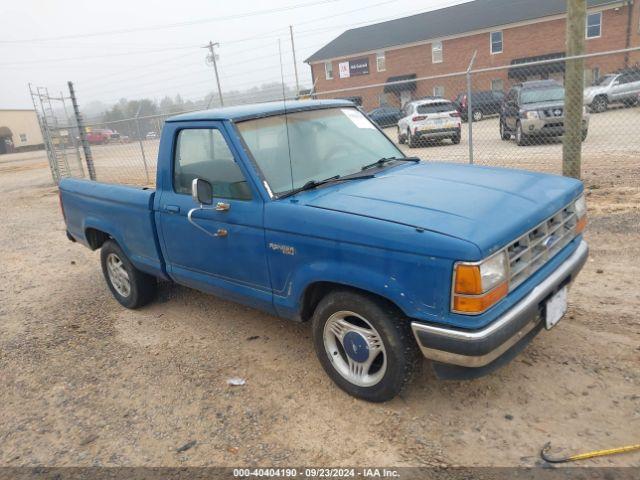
(258, 110)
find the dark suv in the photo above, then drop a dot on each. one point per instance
(535, 110)
(482, 103)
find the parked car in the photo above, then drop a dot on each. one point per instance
(325, 220)
(385, 116)
(433, 119)
(535, 111)
(482, 103)
(98, 136)
(614, 88)
(151, 136)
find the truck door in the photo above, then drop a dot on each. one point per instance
(227, 258)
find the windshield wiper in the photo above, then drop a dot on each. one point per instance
(311, 184)
(384, 160)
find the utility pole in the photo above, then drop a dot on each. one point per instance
(574, 88)
(295, 63)
(215, 67)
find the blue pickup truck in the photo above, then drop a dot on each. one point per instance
(308, 211)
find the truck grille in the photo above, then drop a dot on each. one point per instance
(533, 249)
(553, 112)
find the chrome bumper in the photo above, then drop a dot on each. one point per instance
(477, 348)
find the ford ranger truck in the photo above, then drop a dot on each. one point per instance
(307, 211)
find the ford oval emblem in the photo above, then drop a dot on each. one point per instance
(549, 241)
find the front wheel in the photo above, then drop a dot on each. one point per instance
(365, 345)
(599, 104)
(400, 137)
(477, 115)
(131, 287)
(520, 137)
(504, 134)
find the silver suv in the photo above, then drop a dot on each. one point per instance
(535, 111)
(613, 88)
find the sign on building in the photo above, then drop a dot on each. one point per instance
(353, 68)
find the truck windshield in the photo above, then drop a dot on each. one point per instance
(550, 94)
(311, 145)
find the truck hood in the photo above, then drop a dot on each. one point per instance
(488, 207)
(591, 92)
(543, 105)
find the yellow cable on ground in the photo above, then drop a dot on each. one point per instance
(583, 456)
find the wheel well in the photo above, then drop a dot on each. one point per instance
(318, 290)
(96, 238)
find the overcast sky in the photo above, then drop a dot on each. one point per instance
(135, 49)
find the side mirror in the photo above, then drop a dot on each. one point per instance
(201, 191)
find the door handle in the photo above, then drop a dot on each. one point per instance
(171, 209)
(222, 207)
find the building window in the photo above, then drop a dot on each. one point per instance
(438, 91)
(594, 25)
(496, 42)
(328, 70)
(380, 62)
(23, 137)
(436, 52)
(497, 85)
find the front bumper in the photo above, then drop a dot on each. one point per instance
(550, 126)
(478, 348)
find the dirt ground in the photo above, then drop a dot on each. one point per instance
(86, 382)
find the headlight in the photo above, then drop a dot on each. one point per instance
(530, 114)
(478, 285)
(580, 209)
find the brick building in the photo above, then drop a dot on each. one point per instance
(442, 42)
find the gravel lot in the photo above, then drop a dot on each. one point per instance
(86, 382)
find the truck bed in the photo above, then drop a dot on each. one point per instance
(124, 213)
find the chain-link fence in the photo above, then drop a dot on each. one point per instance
(519, 115)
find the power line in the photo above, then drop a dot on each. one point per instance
(174, 25)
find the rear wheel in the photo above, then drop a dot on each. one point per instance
(456, 138)
(411, 141)
(131, 287)
(400, 137)
(364, 344)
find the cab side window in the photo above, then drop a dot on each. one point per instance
(204, 153)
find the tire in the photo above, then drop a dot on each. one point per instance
(400, 137)
(599, 104)
(130, 287)
(346, 320)
(520, 136)
(504, 134)
(584, 135)
(410, 140)
(456, 139)
(477, 115)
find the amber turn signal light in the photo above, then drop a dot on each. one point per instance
(479, 303)
(581, 224)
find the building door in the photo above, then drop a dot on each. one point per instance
(405, 97)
